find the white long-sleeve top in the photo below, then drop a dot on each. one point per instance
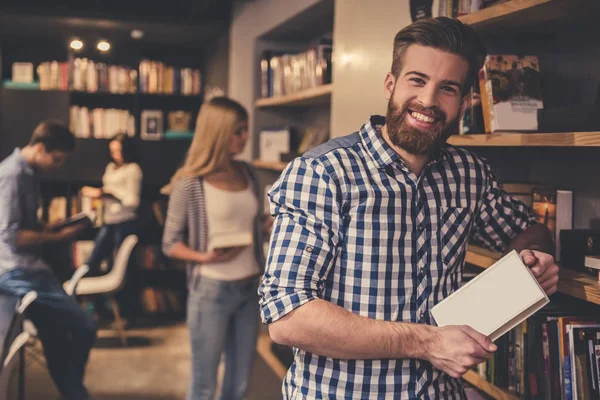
(124, 183)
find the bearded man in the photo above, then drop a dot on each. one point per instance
(371, 230)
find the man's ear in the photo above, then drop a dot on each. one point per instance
(388, 85)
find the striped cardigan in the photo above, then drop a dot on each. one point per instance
(187, 220)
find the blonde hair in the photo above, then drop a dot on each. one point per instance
(217, 121)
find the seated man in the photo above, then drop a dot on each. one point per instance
(66, 331)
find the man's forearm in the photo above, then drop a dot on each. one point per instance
(536, 237)
(31, 238)
(323, 328)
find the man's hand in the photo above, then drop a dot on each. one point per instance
(70, 232)
(455, 349)
(543, 267)
(92, 192)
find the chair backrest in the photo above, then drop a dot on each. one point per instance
(10, 363)
(122, 258)
(14, 328)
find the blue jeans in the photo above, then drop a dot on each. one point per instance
(222, 317)
(108, 239)
(66, 331)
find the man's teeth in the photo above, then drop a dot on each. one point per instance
(422, 117)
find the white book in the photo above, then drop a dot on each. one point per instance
(494, 302)
(227, 240)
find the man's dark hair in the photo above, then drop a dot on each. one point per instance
(54, 135)
(445, 34)
(127, 147)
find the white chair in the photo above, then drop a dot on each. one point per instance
(10, 363)
(110, 283)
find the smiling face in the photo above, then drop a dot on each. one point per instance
(425, 100)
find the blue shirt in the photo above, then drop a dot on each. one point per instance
(353, 226)
(19, 202)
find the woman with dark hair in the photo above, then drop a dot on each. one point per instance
(121, 187)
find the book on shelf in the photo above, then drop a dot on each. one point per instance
(511, 92)
(291, 72)
(159, 78)
(472, 120)
(22, 72)
(100, 123)
(484, 304)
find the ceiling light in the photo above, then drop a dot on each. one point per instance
(103, 45)
(76, 44)
(137, 34)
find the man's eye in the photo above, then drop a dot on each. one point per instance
(418, 80)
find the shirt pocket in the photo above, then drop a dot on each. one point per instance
(454, 231)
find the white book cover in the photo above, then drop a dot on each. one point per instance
(225, 240)
(494, 302)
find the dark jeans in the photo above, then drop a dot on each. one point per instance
(108, 240)
(66, 331)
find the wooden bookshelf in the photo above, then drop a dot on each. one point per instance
(516, 14)
(270, 165)
(480, 383)
(576, 284)
(566, 139)
(309, 97)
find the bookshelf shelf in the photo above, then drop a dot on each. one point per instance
(572, 283)
(566, 139)
(479, 382)
(525, 13)
(269, 165)
(310, 97)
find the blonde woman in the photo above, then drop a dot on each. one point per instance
(214, 195)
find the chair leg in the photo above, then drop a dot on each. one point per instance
(119, 323)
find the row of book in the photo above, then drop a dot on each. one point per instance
(286, 73)
(506, 96)
(159, 78)
(551, 356)
(100, 123)
(456, 8)
(86, 75)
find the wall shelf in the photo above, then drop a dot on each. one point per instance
(309, 97)
(480, 383)
(270, 165)
(522, 14)
(566, 139)
(576, 284)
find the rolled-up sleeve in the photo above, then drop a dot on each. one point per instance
(305, 202)
(10, 210)
(176, 224)
(500, 217)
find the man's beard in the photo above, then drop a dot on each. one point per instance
(414, 140)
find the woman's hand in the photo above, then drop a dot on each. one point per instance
(92, 192)
(220, 255)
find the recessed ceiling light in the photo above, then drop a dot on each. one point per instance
(103, 45)
(137, 34)
(76, 44)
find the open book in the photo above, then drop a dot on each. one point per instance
(228, 240)
(87, 217)
(494, 302)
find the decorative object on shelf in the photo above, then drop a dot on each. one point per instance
(152, 125)
(312, 138)
(22, 72)
(576, 245)
(273, 143)
(511, 92)
(553, 208)
(593, 262)
(179, 121)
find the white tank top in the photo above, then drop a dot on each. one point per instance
(230, 212)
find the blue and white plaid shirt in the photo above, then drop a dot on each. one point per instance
(355, 227)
